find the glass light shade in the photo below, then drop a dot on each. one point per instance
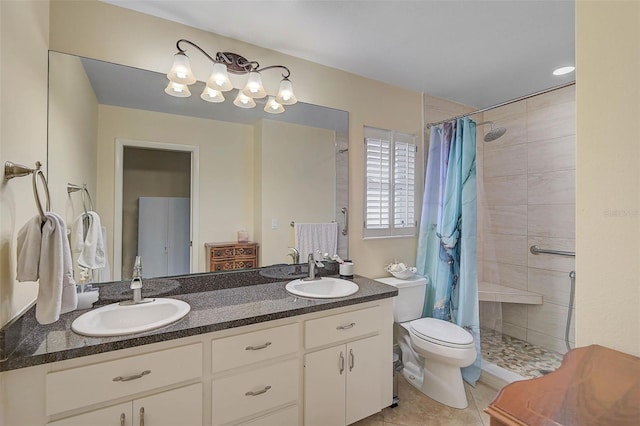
(178, 90)
(212, 95)
(254, 87)
(285, 93)
(273, 107)
(181, 70)
(244, 101)
(219, 79)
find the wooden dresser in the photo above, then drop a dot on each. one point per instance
(231, 256)
(593, 386)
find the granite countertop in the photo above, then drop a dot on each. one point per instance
(218, 301)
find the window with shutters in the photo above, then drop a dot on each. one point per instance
(390, 189)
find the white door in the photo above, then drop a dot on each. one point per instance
(181, 406)
(164, 236)
(363, 378)
(324, 387)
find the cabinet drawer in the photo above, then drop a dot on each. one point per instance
(236, 351)
(335, 328)
(233, 252)
(285, 417)
(258, 390)
(230, 265)
(82, 386)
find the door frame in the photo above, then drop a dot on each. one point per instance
(117, 202)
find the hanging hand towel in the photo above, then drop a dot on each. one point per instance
(88, 249)
(29, 242)
(310, 237)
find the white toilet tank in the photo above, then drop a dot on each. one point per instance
(408, 305)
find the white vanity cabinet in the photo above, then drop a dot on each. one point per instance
(182, 406)
(342, 383)
(255, 373)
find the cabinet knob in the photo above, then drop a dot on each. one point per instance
(261, 391)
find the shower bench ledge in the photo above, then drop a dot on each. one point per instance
(489, 292)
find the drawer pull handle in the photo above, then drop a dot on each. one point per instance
(257, 348)
(122, 417)
(251, 393)
(351, 360)
(141, 416)
(345, 327)
(129, 378)
(341, 363)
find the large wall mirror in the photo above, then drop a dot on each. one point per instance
(216, 168)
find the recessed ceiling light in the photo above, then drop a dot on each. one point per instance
(563, 70)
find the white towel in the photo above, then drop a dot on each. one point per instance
(104, 274)
(87, 250)
(29, 242)
(57, 289)
(310, 237)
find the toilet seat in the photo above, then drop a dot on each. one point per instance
(440, 332)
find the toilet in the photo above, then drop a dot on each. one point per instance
(433, 350)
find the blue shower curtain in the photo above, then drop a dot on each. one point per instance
(448, 229)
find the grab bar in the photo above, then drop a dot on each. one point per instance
(537, 250)
(12, 170)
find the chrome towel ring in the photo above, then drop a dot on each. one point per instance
(12, 170)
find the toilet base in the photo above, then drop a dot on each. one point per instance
(442, 383)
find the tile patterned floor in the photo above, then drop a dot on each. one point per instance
(417, 409)
(516, 355)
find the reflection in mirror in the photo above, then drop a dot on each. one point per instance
(113, 129)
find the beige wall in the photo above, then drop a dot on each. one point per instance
(24, 39)
(608, 175)
(72, 139)
(529, 199)
(225, 203)
(87, 29)
(306, 181)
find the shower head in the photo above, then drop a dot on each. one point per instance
(493, 133)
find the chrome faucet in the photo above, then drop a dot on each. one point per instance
(312, 268)
(136, 285)
(295, 255)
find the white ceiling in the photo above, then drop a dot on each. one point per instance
(475, 52)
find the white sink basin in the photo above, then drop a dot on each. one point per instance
(118, 320)
(324, 288)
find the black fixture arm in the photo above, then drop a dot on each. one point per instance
(235, 63)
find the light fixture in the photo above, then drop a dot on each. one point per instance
(273, 107)
(180, 76)
(564, 70)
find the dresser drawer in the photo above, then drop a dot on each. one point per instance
(233, 252)
(335, 328)
(82, 386)
(230, 265)
(254, 391)
(236, 351)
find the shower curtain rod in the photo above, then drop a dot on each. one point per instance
(541, 92)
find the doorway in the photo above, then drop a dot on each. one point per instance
(155, 211)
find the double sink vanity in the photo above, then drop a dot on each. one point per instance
(247, 352)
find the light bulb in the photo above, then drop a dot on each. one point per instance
(178, 90)
(273, 107)
(181, 70)
(285, 93)
(244, 101)
(254, 88)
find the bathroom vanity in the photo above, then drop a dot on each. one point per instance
(248, 353)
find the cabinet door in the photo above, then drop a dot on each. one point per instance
(181, 406)
(363, 378)
(324, 387)
(118, 415)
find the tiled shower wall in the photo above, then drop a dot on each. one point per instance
(526, 197)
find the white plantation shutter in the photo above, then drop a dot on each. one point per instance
(390, 188)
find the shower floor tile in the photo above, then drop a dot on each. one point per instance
(516, 355)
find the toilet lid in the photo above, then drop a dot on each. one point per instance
(441, 332)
